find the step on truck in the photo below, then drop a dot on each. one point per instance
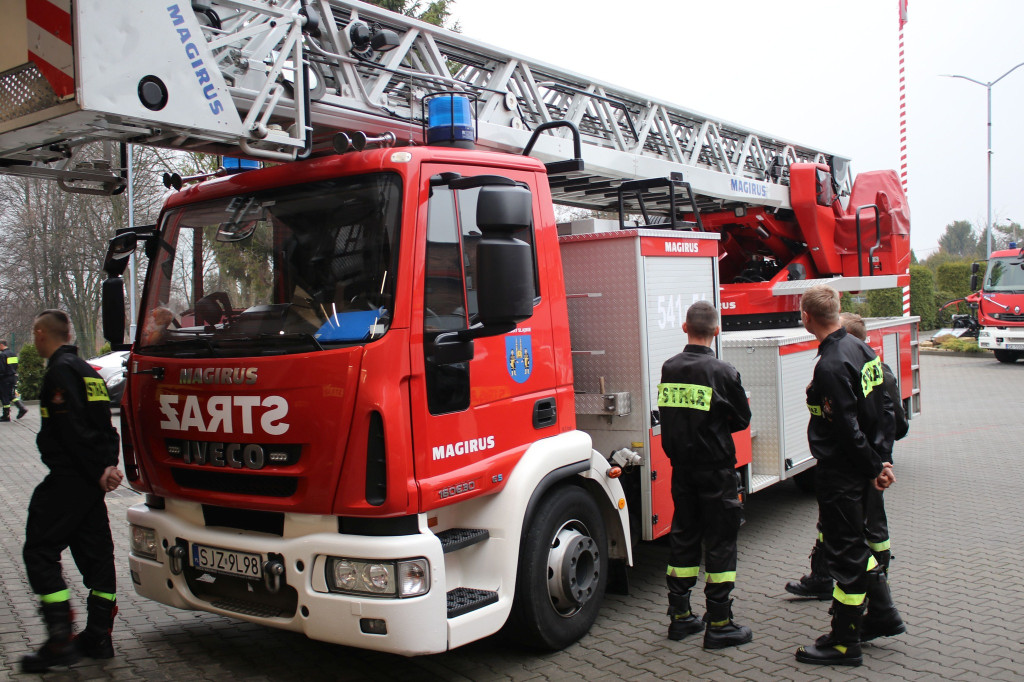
(376, 393)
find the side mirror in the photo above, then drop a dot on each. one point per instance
(120, 248)
(504, 264)
(974, 268)
(974, 278)
(112, 306)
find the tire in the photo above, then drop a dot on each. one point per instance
(805, 481)
(563, 571)
(1007, 356)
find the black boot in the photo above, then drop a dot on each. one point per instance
(722, 632)
(22, 410)
(818, 583)
(58, 649)
(882, 619)
(842, 645)
(683, 621)
(7, 415)
(95, 641)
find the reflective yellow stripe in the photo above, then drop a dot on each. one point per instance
(43, 412)
(104, 595)
(683, 571)
(872, 563)
(692, 396)
(821, 537)
(13, 360)
(848, 599)
(870, 376)
(55, 597)
(719, 623)
(841, 648)
(724, 577)
(879, 546)
(95, 390)
(814, 409)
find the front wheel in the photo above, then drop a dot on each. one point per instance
(563, 570)
(1007, 356)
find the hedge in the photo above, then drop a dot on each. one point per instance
(30, 372)
(922, 296)
(886, 302)
(954, 278)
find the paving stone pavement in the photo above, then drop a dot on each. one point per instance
(957, 576)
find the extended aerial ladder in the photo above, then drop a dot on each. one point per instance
(225, 79)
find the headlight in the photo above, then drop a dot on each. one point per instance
(346, 575)
(408, 578)
(143, 541)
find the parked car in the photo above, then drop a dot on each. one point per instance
(110, 367)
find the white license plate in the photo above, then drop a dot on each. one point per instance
(1015, 346)
(227, 561)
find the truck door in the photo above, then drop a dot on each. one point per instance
(473, 418)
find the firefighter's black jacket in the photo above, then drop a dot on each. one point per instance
(851, 426)
(701, 402)
(8, 370)
(76, 437)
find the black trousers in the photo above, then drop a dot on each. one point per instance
(876, 523)
(7, 388)
(708, 510)
(68, 511)
(842, 511)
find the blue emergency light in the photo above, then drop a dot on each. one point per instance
(235, 165)
(450, 120)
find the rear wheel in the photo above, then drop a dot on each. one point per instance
(563, 570)
(1007, 356)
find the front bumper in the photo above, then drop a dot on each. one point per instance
(414, 625)
(1001, 338)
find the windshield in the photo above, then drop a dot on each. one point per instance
(1004, 274)
(286, 270)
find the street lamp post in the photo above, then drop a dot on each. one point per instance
(988, 88)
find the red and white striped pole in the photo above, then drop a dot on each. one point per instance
(903, 138)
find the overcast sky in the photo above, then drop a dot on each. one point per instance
(818, 72)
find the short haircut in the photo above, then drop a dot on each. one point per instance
(854, 325)
(3, 342)
(701, 319)
(55, 324)
(822, 303)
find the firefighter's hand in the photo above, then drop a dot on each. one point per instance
(110, 479)
(886, 478)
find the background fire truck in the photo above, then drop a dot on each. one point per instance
(995, 316)
(406, 409)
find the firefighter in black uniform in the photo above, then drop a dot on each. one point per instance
(80, 447)
(882, 619)
(702, 402)
(9, 382)
(850, 433)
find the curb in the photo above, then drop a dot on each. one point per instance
(957, 353)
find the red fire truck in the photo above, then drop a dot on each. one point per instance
(995, 317)
(376, 393)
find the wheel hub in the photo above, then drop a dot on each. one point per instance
(573, 569)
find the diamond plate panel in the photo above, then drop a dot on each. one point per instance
(24, 91)
(605, 331)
